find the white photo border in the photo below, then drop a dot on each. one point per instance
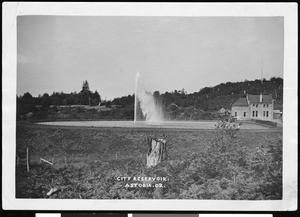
(290, 103)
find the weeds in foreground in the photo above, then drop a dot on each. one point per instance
(224, 170)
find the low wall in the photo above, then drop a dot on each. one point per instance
(269, 123)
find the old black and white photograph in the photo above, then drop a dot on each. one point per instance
(139, 107)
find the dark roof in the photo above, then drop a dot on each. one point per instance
(253, 99)
(256, 98)
(241, 102)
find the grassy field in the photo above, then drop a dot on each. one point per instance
(88, 164)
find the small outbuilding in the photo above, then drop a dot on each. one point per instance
(277, 114)
(222, 111)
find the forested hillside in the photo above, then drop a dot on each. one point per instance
(225, 94)
(177, 104)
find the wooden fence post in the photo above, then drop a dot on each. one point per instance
(27, 159)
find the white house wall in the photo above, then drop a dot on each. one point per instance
(238, 111)
(259, 107)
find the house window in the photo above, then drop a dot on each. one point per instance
(256, 105)
(253, 104)
(244, 114)
(235, 114)
(267, 113)
(267, 105)
(264, 113)
(253, 113)
(264, 106)
(256, 113)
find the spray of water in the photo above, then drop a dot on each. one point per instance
(145, 101)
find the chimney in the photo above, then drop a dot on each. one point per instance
(247, 99)
(260, 98)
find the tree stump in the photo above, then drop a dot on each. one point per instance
(157, 151)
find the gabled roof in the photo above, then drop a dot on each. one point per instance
(222, 110)
(253, 99)
(241, 102)
(256, 98)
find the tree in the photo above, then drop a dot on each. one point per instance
(85, 86)
(108, 104)
(25, 104)
(55, 99)
(85, 95)
(45, 102)
(96, 98)
(27, 98)
(156, 94)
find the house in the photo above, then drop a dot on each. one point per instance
(277, 114)
(253, 107)
(223, 111)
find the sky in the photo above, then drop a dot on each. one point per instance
(58, 53)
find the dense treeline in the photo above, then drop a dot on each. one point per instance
(177, 104)
(40, 106)
(225, 94)
(217, 97)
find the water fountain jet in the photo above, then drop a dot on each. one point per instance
(146, 102)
